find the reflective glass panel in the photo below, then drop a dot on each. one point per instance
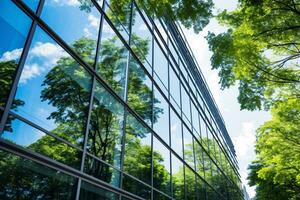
(161, 167)
(176, 133)
(138, 155)
(141, 40)
(82, 20)
(105, 131)
(113, 56)
(21, 178)
(161, 116)
(14, 26)
(188, 147)
(92, 192)
(185, 104)
(160, 66)
(100, 170)
(140, 92)
(54, 89)
(174, 87)
(31, 138)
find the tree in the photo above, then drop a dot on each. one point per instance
(278, 149)
(259, 52)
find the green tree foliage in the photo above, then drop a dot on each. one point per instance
(259, 52)
(278, 148)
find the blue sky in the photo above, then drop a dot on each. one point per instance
(241, 125)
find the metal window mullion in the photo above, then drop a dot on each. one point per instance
(20, 67)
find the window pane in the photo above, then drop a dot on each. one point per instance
(174, 87)
(54, 89)
(14, 26)
(190, 184)
(161, 116)
(37, 141)
(136, 187)
(21, 178)
(91, 192)
(177, 178)
(112, 61)
(140, 91)
(161, 167)
(105, 132)
(185, 104)
(188, 147)
(160, 66)
(138, 155)
(141, 39)
(82, 20)
(102, 171)
(176, 134)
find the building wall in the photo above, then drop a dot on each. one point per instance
(97, 102)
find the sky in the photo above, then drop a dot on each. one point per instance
(241, 125)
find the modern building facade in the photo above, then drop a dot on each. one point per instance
(100, 101)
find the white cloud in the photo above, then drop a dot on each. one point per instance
(244, 143)
(50, 52)
(29, 72)
(86, 32)
(66, 2)
(41, 57)
(94, 21)
(11, 55)
(143, 27)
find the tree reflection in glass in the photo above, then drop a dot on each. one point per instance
(105, 134)
(22, 179)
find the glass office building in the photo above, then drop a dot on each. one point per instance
(99, 100)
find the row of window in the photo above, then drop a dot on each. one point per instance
(54, 96)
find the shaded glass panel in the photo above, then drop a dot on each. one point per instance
(190, 184)
(200, 186)
(102, 171)
(161, 118)
(113, 56)
(14, 26)
(176, 133)
(160, 196)
(136, 187)
(140, 92)
(177, 178)
(54, 89)
(92, 192)
(138, 155)
(199, 160)
(161, 167)
(21, 178)
(31, 138)
(105, 131)
(83, 21)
